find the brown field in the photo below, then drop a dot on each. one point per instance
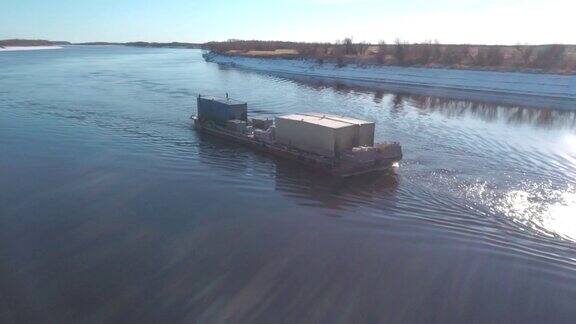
(278, 52)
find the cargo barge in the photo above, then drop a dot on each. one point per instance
(340, 146)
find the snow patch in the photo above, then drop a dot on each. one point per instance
(530, 89)
(27, 48)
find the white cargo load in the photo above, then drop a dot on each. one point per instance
(327, 135)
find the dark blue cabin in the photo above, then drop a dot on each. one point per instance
(220, 110)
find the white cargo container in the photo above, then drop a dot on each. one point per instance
(327, 135)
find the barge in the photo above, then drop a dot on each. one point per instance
(338, 145)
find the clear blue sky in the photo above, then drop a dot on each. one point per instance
(449, 21)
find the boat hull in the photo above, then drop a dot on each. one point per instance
(331, 166)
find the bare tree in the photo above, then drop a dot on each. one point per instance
(381, 54)
(400, 51)
(495, 56)
(361, 48)
(424, 53)
(450, 55)
(550, 56)
(436, 52)
(526, 55)
(339, 52)
(348, 46)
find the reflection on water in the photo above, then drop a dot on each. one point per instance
(308, 187)
(333, 193)
(490, 112)
(112, 209)
(457, 108)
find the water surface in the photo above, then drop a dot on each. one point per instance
(113, 209)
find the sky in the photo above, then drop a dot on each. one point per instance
(448, 21)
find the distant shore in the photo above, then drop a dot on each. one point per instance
(38, 44)
(147, 44)
(30, 43)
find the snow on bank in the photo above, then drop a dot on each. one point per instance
(542, 90)
(27, 48)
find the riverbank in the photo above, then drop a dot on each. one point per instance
(550, 58)
(527, 89)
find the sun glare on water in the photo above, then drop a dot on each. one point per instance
(541, 206)
(561, 216)
(552, 211)
(570, 141)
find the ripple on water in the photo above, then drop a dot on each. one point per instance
(492, 185)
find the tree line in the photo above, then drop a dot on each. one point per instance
(553, 57)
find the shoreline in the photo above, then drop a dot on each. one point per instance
(28, 48)
(515, 88)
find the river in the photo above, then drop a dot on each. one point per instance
(112, 209)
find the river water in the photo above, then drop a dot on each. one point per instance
(112, 209)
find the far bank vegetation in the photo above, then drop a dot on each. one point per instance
(537, 58)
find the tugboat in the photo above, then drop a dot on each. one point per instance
(338, 145)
